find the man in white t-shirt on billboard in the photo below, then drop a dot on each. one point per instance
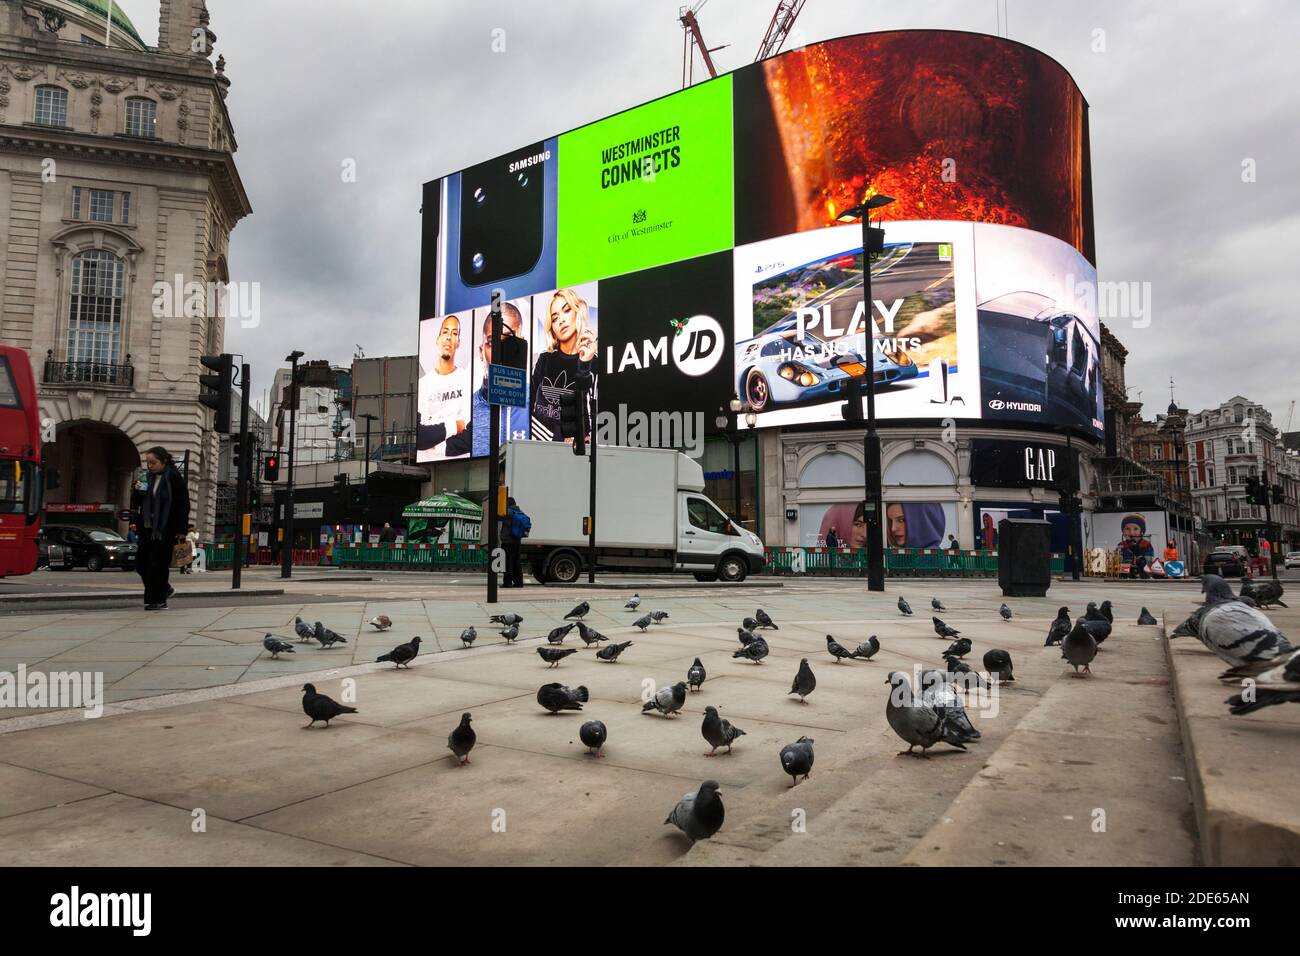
(444, 396)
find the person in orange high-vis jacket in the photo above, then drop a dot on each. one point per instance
(1171, 552)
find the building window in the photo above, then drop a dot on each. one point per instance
(90, 41)
(1155, 452)
(101, 205)
(76, 202)
(51, 106)
(126, 209)
(141, 117)
(95, 314)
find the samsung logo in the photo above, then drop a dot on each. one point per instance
(519, 164)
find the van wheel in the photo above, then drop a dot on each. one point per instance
(564, 568)
(732, 568)
(706, 576)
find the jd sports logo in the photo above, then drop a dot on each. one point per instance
(696, 347)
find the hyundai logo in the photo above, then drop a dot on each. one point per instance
(997, 404)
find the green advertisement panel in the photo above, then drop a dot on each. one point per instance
(649, 186)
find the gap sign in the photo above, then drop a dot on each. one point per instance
(506, 386)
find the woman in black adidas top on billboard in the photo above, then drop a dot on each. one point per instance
(570, 348)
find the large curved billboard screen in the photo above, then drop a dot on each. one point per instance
(704, 223)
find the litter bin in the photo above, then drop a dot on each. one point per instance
(1024, 557)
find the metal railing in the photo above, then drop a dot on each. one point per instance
(77, 372)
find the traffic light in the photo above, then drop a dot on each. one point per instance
(1254, 492)
(514, 351)
(573, 419)
(271, 470)
(254, 497)
(215, 390)
(1279, 495)
(236, 451)
(852, 407)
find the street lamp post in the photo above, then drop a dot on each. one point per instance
(873, 240)
(286, 546)
(365, 484)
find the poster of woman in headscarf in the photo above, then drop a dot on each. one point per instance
(919, 525)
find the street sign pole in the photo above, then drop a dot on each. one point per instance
(494, 455)
(241, 479)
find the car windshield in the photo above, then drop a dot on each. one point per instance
(106, 536)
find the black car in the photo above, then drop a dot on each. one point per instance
(91, 548)
(1226, 564)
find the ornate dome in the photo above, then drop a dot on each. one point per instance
(88, 18)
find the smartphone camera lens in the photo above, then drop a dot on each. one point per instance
(522, 179)
(478, 262)
(480, 196)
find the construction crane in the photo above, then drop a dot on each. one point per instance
(787, 11)
(1290, 414)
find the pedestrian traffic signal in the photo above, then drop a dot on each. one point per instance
(852, 408)
(254, 497)
(271, 470)
(1254, 492)
(573, 419)
(215, 390)
(1279, 495)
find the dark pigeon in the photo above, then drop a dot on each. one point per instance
(1263, 593)
(553, 655)
(277, 646)
(998, 663)
(804, 681)
(962, 673)
(461, 740)
(868, 648)
(304, 630)
(1079, 647)
(746, 636)
(327, 637)
(904, 606)
(748, 624)
(1060, 627)
(958, 648)
(642, 622)
(319, 707)
(836, 649)
(590, 635)
(754, 651)
(937, 604)
(1005, 612)
(557, 697)
(509, 620)
(1146, 618)
(699, 815)
(1107, 612)
(718, 732)
(469, 635)
(593, 735)
(610, 652)
(797, 759)
(558, 634)
(579, 612)
(695, 675)
(667, 700)
(402, 654)
(944, 630)
(764, 621)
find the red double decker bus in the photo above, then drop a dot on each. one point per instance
(21, 481)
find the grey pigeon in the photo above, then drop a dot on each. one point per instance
(718, 732)
(642, 622)
(509, 620)
(1145, 617)
(937, 604)
(804, 681)
(590, 635)
(276, 646)
(1238, 634)
(755, 651)
(666, 700)
(319, 707)
(469, 635)
(1280, 684)
(748, 624)
(593, 735)
(1217, 591)
(1264, 593)
(797, 759)
(1005, 612)
(633, 603)
(941, 695)
(327, 637)
(836, 649)
(958, 648)
(944, 630)
(558, 634)
(695, 675)
(1096, 624)
(304, 630)
(916, 722)
(580, 611)
(510, 633)
(1079, 647)
(904, 606)
(553, 655)
(998, 663)
(746, 636)
(868, 648)
(1060, 627)
(380, 622)
(610, 652)
(557, 697)
(461, 740)
(699, 815)
(402, 654)
(658, 616)
(764, 621)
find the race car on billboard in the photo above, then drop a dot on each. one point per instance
(779, 368)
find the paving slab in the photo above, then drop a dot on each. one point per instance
(23, 790)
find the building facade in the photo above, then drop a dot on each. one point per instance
(117, 179)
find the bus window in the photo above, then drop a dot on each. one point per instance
(8, 390)
(20, 491)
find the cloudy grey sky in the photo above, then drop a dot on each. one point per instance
(1183, 93)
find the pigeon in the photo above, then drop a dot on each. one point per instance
(666, 700)
(1264, 593)
(998, 663)
(764, 621)
(658, 616)
(961, 673)
(1005, 612)
(1145, 617)
(937, 604)
(904, 606)
(402, 654)
(754, 651)
(868, 648)
(1079, 647)
(748, 624)
(1096, 624)
(695, 675)
(590, 635)
(940, 695)
(944, 630)
(797, 759)
(380, 622)
(558, 634)
(1217, 590)
(642, 622)
(699, 815)
(304, 630)
(1107, 612)
(718, 732)
(461, 740)
(745, 636)
(958, 648)
(593, 735)
(916, 722)
(319, 707)
(804, 681)
(509, 620)
(579, 612)
(1279, 684)
(468, 636)
(1238, 634)
(610, 652)
(836, 649)
(1060, 627)
(557, 697)
(510, 633)
(276, 646)
(633, 603)
(327, 637)
(553, 655)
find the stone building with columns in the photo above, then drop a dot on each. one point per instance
(117, 173)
